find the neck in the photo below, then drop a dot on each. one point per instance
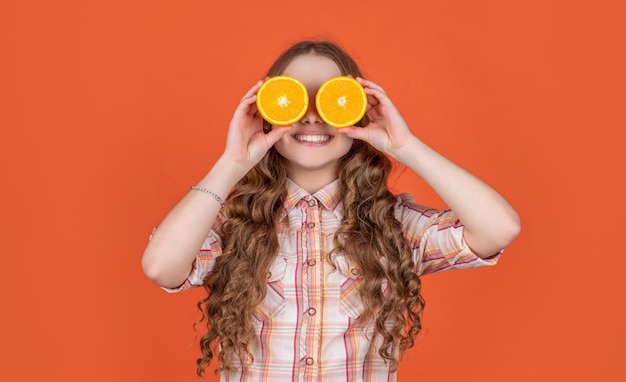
(312, 180)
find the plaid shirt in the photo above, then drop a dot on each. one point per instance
(305, 327)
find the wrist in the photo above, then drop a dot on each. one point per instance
(223, 176)
(412, 147)
(231, 170)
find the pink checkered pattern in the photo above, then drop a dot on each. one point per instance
(306, 328)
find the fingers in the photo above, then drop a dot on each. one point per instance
(355, 132)
(369, 84)
(275, 134)
(377, 97)
(373, 114)
(375, 93)
(247, 105)
(253, 90)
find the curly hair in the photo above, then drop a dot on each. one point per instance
(369, 235)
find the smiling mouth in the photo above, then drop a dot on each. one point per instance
(312, 138)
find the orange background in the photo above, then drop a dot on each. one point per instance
(110, 110)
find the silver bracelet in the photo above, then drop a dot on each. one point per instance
(213, 194)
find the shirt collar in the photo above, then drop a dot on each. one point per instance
(329, 197)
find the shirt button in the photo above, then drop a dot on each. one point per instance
(312, 311)
(268, 274)
(355, 271)
(310, 225)
(312, 203)
(311, 262)
(309, 361)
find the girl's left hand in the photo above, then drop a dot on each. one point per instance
(387, 130)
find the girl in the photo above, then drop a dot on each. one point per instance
(311, 265)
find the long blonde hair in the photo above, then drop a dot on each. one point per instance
(369, 235)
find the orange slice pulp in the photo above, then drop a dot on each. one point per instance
(282, 100)
(341, 101)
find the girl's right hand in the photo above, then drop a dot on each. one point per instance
(246, 142)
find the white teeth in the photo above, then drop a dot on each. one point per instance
(312, 138)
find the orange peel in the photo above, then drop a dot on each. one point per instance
(282, 100)
(341, 101)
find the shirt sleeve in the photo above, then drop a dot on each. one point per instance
(203, 264)
(436, 239)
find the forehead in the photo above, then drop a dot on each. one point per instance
(312, 70)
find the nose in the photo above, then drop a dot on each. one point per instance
(311, 117)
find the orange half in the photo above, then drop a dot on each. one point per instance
(282, 100)
(341, 101)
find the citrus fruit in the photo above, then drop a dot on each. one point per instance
(282, 100)
(341, 101)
